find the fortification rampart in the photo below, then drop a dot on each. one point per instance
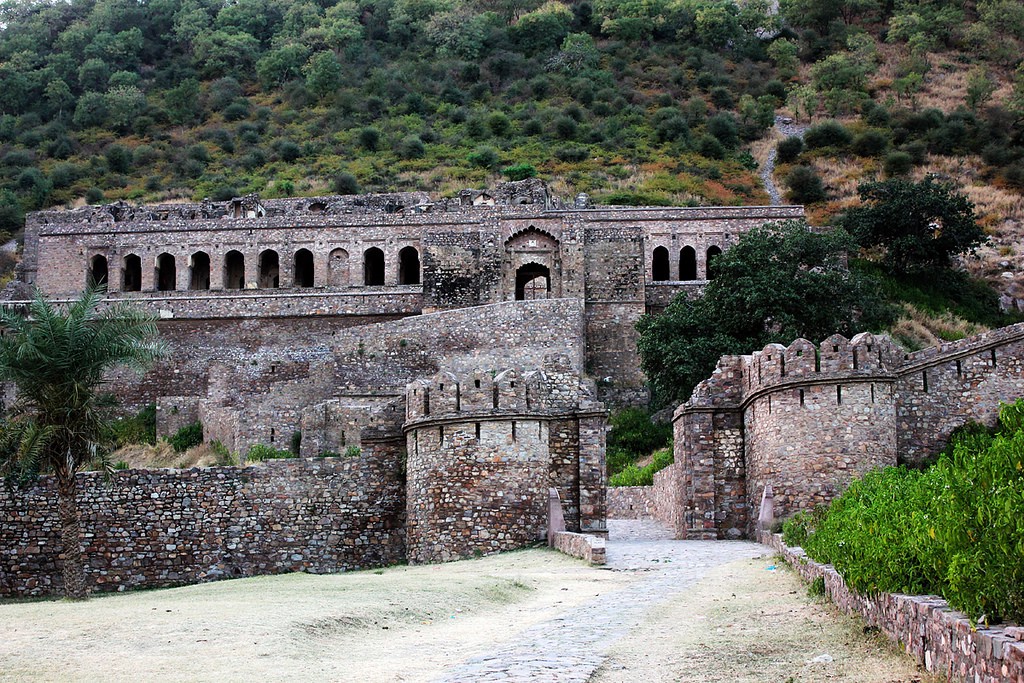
(807, 419)
(484, 449)
(148, 528)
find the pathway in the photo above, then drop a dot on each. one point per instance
(570, 647)
(788, 128)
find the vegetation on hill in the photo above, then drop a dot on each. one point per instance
(954, 529)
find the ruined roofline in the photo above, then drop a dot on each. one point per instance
(504, 199)
(738, 379)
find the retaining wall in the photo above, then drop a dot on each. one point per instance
(150, 528)
(939, 638)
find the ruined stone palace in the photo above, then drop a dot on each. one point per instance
(445, 364)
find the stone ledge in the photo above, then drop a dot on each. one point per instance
(924, 626)
(583, 546)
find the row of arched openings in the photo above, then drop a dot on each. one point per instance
(268, 270)
(661, 270)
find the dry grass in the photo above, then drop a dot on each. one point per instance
(917, 329)
(161, 455)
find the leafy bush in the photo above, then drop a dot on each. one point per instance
(827, 134)
(259, 452)
(805, 186)
(138, 429)
(789, 149)
(346, 183)
(520, 171)
(897, 163)
(224, 456)
(484, 157)
(642, 476)
(187, 437)
(954, 530)
(632, 431)
(870, 143)
(353, 452)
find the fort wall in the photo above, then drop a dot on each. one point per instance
(149, 528)
(807, 419)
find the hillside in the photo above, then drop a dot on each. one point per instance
(658, 102)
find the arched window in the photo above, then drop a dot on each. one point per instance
(659, 265)
(199, 271)
(166, 273)
(687, 263)
(713, 253)
(373, 267)
(304, 268)
(131, 274)
(533, 281)
(234, 270)
(270, 270)
(337, 267)
(97, 270)
(408, 266)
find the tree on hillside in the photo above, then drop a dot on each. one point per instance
(781, 281)
(921, 226)
(58, 359)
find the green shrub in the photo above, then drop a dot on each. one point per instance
(353, 452)
(346, 183)
(137, 429)
(259, 452)
(187, 437)
(224, 456)
(411, 147)
(632, 475)
(897, 164)
(827, 134)
(954, 529)
(484, 157)
(520, 171)
(805, 186)
(789, 149)
(870, 143)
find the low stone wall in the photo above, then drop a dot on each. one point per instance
(584, 546)
(631, 502)
(150, 528)
(938, 637)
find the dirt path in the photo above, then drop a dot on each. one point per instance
(657, 614)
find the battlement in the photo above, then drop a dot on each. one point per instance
(555, 389)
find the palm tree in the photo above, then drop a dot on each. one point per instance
(58, 357)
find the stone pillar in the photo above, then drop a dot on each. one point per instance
(593, 484)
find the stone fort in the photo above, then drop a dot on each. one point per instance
(443, 364)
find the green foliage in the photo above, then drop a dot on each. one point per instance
(224, 456)
(780, 282)
(632, 475)
(138, 429)
(632, 430)
(789, 149)
(921, 225)
(827, 134)
(346, 183)
(259, 452)
(520, 171)
(897, 163)
(805, 186)
(353, 452)
(954, 529)
(187, 437)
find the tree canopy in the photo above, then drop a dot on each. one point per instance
(58, 359)
(919, 225)
(781, 281)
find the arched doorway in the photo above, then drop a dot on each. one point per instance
(98, 270)
(659, 265)
(131, 274)
(687, 264)
(166, 273)
(373, 267)
(199, 274)
(713, 253)
(234, 270)
(270, 270)
(304, 269)
(533, 281)
(408, 266)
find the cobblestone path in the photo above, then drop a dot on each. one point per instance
(570, 647)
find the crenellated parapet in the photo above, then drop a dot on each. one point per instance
(806, 419)
(484, 447)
